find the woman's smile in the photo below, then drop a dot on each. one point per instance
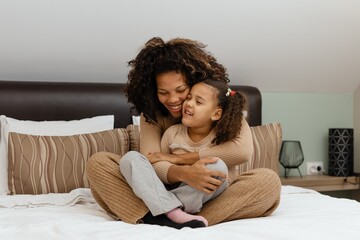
(172, 90)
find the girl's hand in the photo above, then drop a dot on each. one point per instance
(178, 159)
(158, 156)
(202, 179)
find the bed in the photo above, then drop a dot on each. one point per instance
(72, 213)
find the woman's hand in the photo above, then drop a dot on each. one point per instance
(198, 176)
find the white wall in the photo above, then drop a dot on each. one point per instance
(306, 47)
(277, 45)
(357, 130)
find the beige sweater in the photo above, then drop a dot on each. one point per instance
(233, 152)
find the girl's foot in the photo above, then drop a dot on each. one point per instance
(179, 216)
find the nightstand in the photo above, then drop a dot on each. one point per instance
(322, 183)
(334, 186)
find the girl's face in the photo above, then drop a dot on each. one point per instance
(201, 107)
(172, 91)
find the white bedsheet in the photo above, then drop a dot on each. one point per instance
(302, 214)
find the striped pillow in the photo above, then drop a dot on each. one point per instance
(267, 142)
(56, 164)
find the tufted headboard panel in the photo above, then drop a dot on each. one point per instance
(41, 101)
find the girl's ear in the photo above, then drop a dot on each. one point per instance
(217, 115)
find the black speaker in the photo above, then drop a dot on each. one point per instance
(341, 152)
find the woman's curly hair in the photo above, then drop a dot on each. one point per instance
(184, 56)
(232, 104)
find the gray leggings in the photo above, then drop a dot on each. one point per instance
(141, 176)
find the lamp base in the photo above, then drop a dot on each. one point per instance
(287, 170)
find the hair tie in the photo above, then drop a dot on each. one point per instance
(230, 92)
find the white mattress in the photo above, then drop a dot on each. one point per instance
(302, 214)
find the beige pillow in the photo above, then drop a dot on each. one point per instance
(267, 141)
(134, 136)
(56, 164)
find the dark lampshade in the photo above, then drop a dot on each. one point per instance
(341, 152)
(291, 156)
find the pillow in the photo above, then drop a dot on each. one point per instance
(267, 141)
(136, 120)
(45, 128)
(57, 164)
(134, 137)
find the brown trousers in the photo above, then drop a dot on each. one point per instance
(253, 194)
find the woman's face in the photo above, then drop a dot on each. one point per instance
(172, 91)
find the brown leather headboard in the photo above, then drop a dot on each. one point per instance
(41, 101)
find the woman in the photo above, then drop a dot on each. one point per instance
(211, 115)
(159, 81)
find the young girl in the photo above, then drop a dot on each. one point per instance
(211, 115)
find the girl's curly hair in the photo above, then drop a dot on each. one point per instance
(232, 104)
(184, 56)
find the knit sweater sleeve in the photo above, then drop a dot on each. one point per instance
(233, 152)
(150, 136)
(150, 141)
(162, 167)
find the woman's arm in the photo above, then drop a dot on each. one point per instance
(150, 136)
(150, 142)
(197, 175)
(166, 151)
(233, 152)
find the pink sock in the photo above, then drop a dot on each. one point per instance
(179, 216)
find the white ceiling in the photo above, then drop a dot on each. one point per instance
(276, 45)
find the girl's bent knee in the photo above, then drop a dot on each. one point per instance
(218, 166)
(126, 160)
(130, 159)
